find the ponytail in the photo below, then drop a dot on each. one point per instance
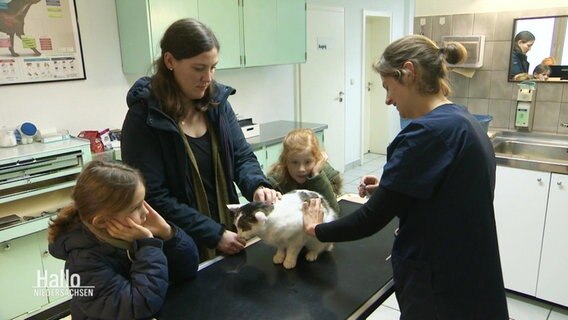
(65, 220)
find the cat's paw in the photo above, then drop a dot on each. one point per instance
(288, 264)
(279, 257)
(329, 247)
(312, 256)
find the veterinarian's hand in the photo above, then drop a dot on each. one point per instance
(230, 243)
(157, 225)
(313, 215)
(129, 232)
(266, 195)
(368, 185)
(319, 166)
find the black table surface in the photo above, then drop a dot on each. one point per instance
(249, 286)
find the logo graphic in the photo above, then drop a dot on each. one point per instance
(60, 284)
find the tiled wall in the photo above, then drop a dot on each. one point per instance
(488, 91)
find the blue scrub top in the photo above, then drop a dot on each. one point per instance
(445, 256)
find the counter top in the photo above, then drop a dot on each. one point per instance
(349, 282)
(274, 132)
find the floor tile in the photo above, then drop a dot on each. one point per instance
(521, 308)
(351, 177)
(384, 313)
(558, 314)
(350, 187)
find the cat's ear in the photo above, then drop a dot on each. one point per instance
(260, 216)
(233, 208)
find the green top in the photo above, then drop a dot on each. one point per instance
(328, 183)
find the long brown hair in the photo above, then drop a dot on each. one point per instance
(429, 59)
(297, 140)
(523, 36)
(103, 187)
(185, 38)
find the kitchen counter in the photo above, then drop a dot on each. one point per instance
(349, 282)
(274, 132)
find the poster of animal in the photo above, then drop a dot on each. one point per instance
(39, 41)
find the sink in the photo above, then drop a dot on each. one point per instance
(526, 150)
(532, 151)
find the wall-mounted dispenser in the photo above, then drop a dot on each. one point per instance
(524, 111)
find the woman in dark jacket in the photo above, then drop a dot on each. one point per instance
(120, 254)
(522, 44)
(182, 133)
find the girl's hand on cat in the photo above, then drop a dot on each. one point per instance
(266, 195)
(157, 225)
(313, 215)
(368, 185)
(128, 232)
(319, 166)
(231, 243)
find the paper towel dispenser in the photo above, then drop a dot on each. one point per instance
(475, 46)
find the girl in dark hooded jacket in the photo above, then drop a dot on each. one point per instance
(117, 246)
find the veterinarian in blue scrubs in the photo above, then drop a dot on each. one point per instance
(439, 181)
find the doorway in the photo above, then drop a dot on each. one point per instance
(375, 122)
(322, 78)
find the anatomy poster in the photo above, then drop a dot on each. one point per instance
(39, 42)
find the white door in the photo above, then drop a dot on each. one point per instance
(322, 79)
(375, 112)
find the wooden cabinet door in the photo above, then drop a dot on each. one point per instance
(553, 273)
(520, 207)
(223, 17)
(20, 265)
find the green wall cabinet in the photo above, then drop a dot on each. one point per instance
(223, 17)
(274, 32)
(141, 24)
(251, 32)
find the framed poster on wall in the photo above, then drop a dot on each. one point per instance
(39, 42)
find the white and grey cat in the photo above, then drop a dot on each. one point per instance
(281, 225)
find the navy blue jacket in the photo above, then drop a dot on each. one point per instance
(124, 287)
(440, 171)
(519, 63)
(151, 142)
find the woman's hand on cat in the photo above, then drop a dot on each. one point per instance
(368, 185)
(231, 243)
(157, 225)
(313, 215)
(127, 231)
(267, 195)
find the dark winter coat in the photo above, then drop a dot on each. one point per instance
(151, 142)
(126, 285)
(519, 63)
